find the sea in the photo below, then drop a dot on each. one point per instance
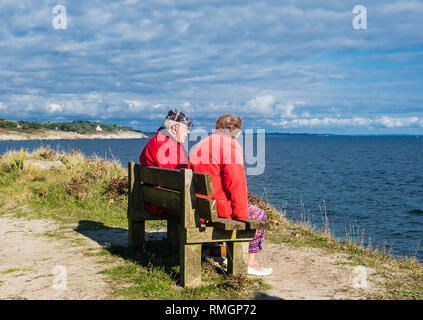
(361, 188)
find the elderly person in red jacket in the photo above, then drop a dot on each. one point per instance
(221, 156)
(166, 149)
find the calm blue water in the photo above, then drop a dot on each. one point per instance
(375, 183)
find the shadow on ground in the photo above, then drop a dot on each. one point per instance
(264, 296)
(104, 235)
(156, 251)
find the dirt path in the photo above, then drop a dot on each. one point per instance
(42, 260)
(309, 273)
(36, 262)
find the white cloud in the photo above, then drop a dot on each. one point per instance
(135, 104)
(262, 104)
(286, 110)
(54, 107)
(398, 6)
(182, 26)
(267, 105)
(397, 122)
(3, 106)
(385, 121)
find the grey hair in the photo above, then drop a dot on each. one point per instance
(168, 123)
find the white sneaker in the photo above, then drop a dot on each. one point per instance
(225, 262)
(263, 272)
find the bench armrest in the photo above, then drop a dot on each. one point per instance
(228, 224)
(254, 223)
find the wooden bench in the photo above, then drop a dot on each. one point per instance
(179, 191)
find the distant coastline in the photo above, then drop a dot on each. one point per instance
(11, 130)
(342, 135)
(13, 135)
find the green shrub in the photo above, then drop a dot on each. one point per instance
(18, 163)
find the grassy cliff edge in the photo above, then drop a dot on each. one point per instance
(91, 193)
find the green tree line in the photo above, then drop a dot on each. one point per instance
(78, 126)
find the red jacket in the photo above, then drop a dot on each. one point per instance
(221, 156)
(165, 152)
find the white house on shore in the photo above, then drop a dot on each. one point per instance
(99, 129)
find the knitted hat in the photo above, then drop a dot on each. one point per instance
(179, 116)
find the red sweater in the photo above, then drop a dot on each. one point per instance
(165, 152)
(221, 156)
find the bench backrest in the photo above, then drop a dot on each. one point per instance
(179, 191)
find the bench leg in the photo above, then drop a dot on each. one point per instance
(136, 233)
(190, 262)
(237, 255)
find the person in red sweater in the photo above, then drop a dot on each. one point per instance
(221, 156)
(166, 148)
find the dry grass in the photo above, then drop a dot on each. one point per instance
(82, 188)
(117, 187)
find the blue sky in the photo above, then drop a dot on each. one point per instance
(286, 66)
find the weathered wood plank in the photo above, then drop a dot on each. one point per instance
(228, 224)
(203, 183)
(212, 234)
(136, 195)
(207, 209)
(140, 215)
(237, 255)
(162, 197)
(189, 219)
(254, 223)
(136, 229)
(168, 178)
(190, 262)
(136, 233)
(131, 181)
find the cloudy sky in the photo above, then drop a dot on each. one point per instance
(286, 66)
